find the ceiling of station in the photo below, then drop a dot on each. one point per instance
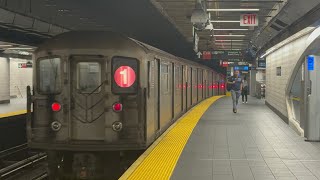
(165, 24)
(138, 19)
(225, 34)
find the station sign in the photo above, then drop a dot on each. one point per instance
(218, 54)
(25, 65)
(310, 61)
(225, 64)
(241, 68)
(249, 20)
(206, 55)
(262, 64)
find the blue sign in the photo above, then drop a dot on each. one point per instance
(310, 63)
(241, 68)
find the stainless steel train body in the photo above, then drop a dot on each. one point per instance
(101, 108)
(96, 93)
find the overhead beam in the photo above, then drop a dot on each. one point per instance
(312, 17)
(244, 1)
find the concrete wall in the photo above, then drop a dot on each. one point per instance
(20, 78)
(285, 57)
(4, 80)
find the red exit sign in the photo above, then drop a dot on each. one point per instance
(249, 20)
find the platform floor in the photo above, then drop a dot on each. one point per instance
(252, 144)
(15, 107)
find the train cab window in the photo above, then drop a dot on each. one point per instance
(88, 77)
(49, 75)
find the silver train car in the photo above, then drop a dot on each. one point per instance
(97, 92)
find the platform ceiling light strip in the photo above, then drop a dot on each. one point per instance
(229, 35)
(230, 29)
(234, 10)
(21, 48)
(5, 45)
(225, 21)
(230, 40)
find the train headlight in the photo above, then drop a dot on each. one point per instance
(117, 126)
(55, 126)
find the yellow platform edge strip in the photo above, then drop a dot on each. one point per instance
(160, 159)
(15, 113)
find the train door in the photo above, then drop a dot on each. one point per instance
(200, 84)
(87, 98)
(165, 93)
(152, 99)
(189, 87)
(177, 76)
(184, 89)
(194, 86)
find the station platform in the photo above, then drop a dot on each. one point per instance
(211, 142)
(17, 106)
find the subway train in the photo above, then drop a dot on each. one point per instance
(101, 93)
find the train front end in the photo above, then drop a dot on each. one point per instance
(87, 109)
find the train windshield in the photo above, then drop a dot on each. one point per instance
(89, 77)
(50, 75)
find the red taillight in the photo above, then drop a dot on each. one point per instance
(56, 107)
(117, 107)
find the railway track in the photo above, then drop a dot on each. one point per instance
(21, 163)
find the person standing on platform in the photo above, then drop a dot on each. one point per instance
(244, 91)
(235, 84)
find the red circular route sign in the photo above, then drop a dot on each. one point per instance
(125, 76)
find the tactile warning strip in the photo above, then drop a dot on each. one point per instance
(160, 159)
(4, 115)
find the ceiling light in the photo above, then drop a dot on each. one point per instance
(228, 43)
(229, 35)
(5, 45)
(21, 48)
(229, 49)
(230, 40)
(230, 29)
(237, 10)
(225, 21)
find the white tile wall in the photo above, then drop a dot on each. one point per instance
(4, 79)
(286, 57)
(20, 78)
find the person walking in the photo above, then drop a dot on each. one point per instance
(235, 84)
(244, 91)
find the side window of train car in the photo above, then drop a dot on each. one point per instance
(49, 75)
(125, 75)
(165, 85)
(88, 77)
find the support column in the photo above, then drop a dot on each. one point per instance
(4, 80)
(253, 82)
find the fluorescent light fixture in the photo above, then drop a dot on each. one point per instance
(21, 48)
(228, 43)
(233, 10)
(225, 21)
(230, 49)
(230, 29)
(229, 35)
(5, 45)
(230, 40)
